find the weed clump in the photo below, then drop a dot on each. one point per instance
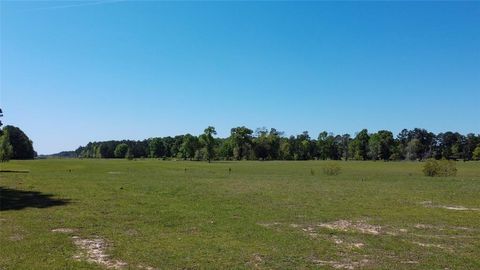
(440, 168)
(332, 169)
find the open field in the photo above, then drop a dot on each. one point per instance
(150, 214)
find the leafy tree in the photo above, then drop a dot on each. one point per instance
(121, 150)
(285, 149)
(209, 142)
(241, 138)
(413, 149)
(304, 147)
(471, 142)
(343, 144)
(225, 149)
(22, 147)
(156, 148)
(6, 149)
(450, 145)
(188, 147)
(129, 155)
(322, 145)
(476, 153)
(381, 145)
(359, 145)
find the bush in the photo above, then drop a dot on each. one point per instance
(332, 169)
(442, 167)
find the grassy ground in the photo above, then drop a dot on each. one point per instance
(270, 215)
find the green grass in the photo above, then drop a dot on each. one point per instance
(156, 213)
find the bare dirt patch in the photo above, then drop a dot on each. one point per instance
(343, 264)
(430, 204)
(424, 226)
(349, 245)
(345, 225)
(270, 224)
(255, 261)
(64, 230)
(410, 262)
(16, 237)
(94, 251)
(428, 245)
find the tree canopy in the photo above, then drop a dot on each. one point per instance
(263, 144)
(21, 145)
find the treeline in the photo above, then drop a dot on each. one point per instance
(262, 144)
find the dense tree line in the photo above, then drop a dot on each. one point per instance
(262, 144)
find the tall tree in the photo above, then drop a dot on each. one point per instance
(22, 147)
(359, 145)
(189, 145)
(209, 142)
(6, 149)
(121, 150)
(156, 148)
(381, 145)
(242, 142)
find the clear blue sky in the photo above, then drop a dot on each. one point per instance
(74, 72)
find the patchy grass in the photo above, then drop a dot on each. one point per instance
(151, 214)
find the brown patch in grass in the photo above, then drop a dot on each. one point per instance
(429, 204)
(343, 264)
(350, 245)
(16, 237)
(270, 224)
(131, 232)
(64, 230)
(345, 225)
(255, 261)
(94, 251)
(409, 262)
(428, 245)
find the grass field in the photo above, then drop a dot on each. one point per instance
(150, 214)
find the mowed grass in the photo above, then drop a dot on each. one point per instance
(264, 215)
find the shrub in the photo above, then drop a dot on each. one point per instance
(332, 169)
(442, 167)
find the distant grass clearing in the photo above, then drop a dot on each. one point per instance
(151, 214)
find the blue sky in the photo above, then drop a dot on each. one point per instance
(74, 72)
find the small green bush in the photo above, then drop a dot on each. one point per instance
(332, 169)
(442, 167)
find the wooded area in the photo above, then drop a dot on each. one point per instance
(262, 144)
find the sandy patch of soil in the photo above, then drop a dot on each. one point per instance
(341, 242)
(255, 261)
(430, 204)
(345, 225)
(94, 251)
(64, 230)
(16, 237)
(410, 262)
(270, 224)
(343, 264)
(428, 245)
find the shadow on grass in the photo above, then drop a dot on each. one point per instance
(13, 171)
(13, 199)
